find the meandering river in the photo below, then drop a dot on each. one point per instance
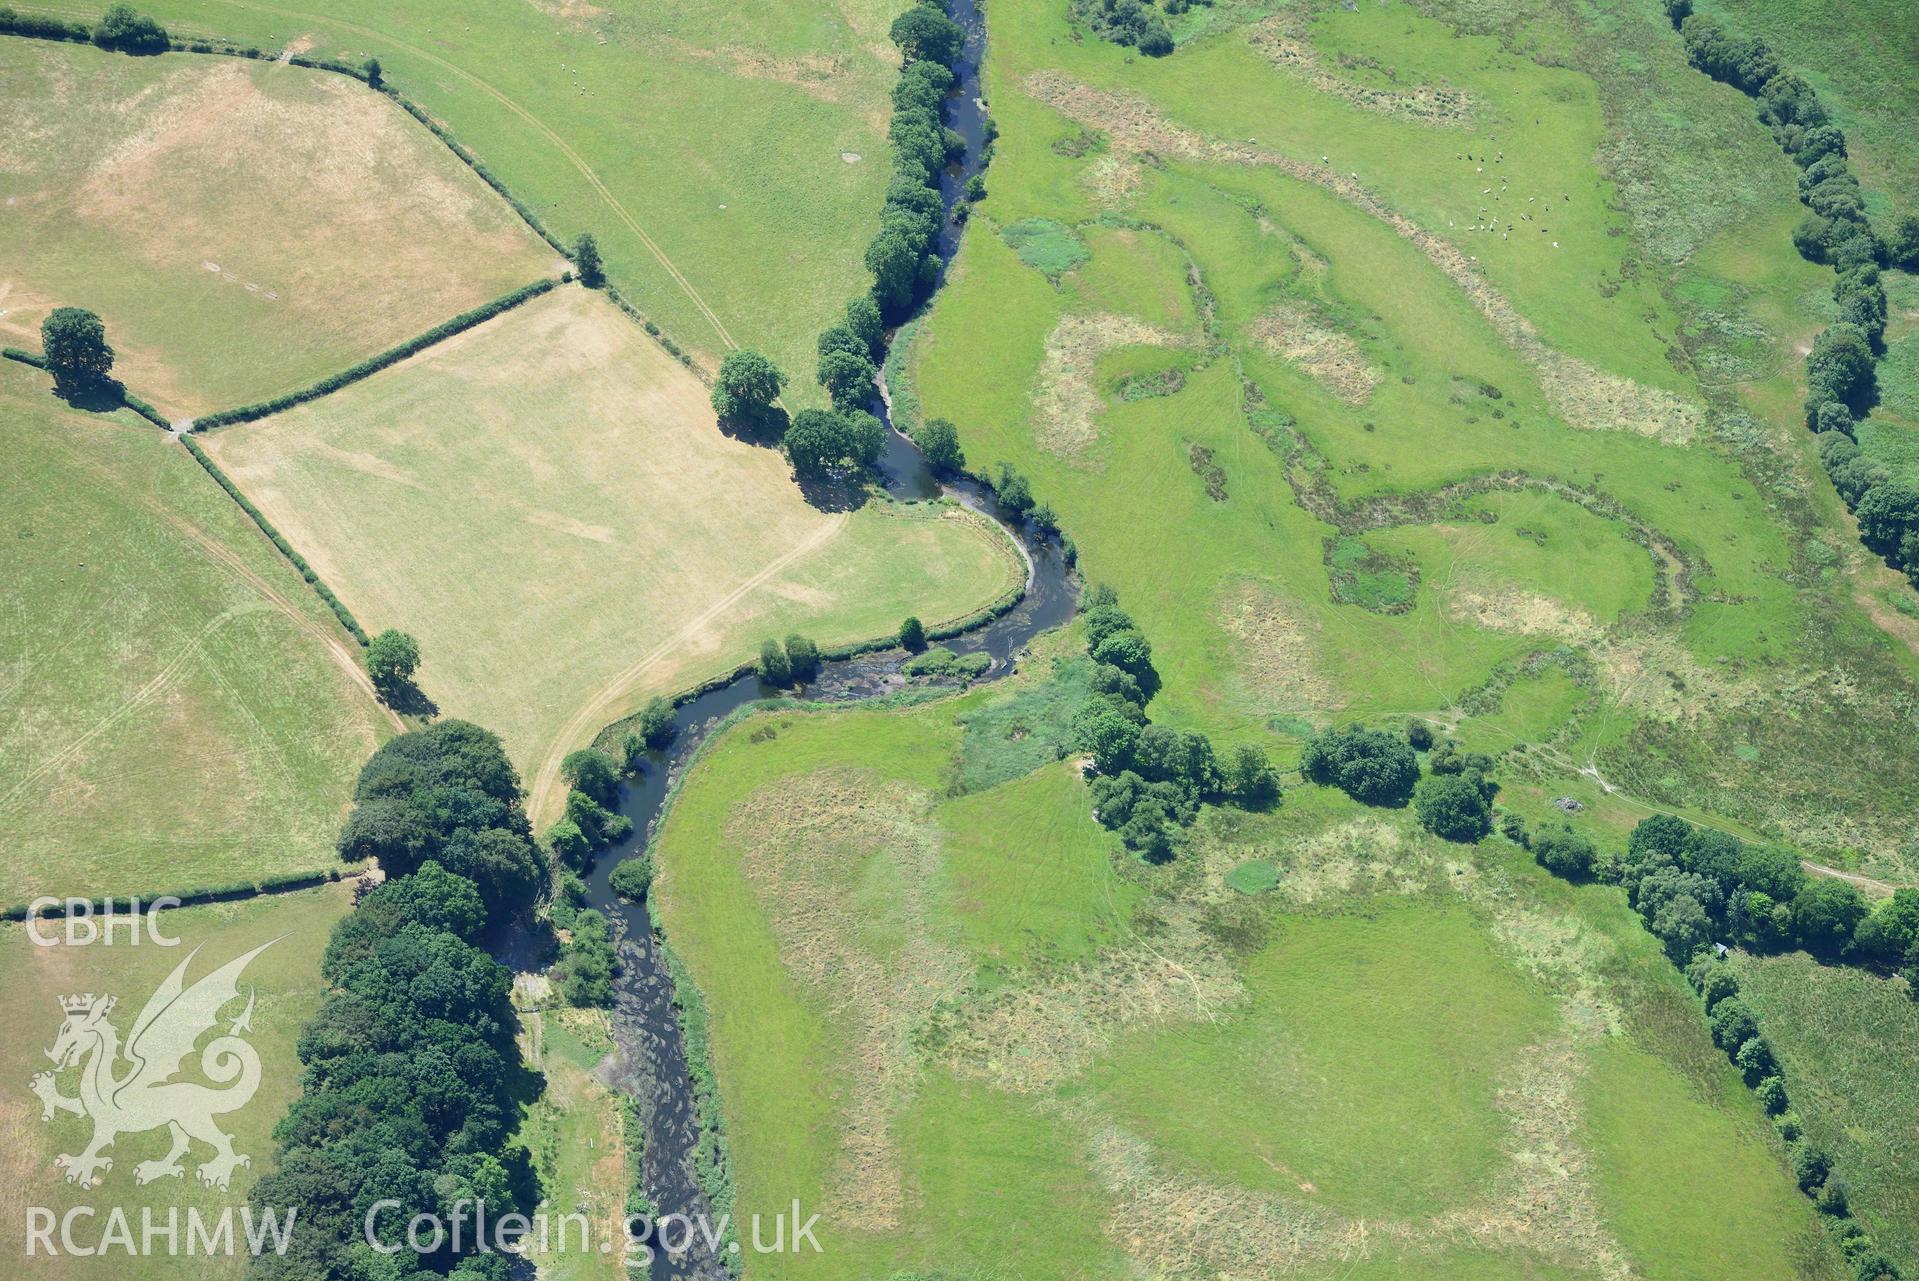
(650, 1058)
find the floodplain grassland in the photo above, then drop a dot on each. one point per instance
(1849, 1041)
(1434, 396)
(730, 156)
(939, 1030)
(1862, 60)
(243, 228)
(547, 504)
(179, 710)
(286, 990)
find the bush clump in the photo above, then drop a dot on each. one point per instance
(1372, 767)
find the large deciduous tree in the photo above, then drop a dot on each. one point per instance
(74, 342)
(746, 386)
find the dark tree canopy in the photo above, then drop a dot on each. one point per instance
(802, 658)
(586, 259)
(924, 34)
(1454, 806)
(411, 1072)
(938, 440)
(746, 386)
(656, 724)
(1825, 914)
(592, 773)
(125, 28)
(863, 321)
(391, 659)
(75, 345)
(913, 635)
(1370, 766)
(820, 441)
(772, 666)
(848, 378)
(1564, 852)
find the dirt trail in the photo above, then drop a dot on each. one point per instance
(161, 682)
(1871, 885)
(335, 648)
(559, 143)
(543, 797)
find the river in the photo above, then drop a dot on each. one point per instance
(650, 1060)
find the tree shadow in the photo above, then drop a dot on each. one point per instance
(765, 428)
(94, 398)
(834, 492)
(409, 699)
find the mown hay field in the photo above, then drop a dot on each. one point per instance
(243, 228)
(1361, 408)
(730, 155)
(947, 1021)
(178, 709)
(547, 504)
(286, 990)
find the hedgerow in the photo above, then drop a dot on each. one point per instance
(126, 903)
(1840, 369)
(340, 611)
(374, 364)
(40, 27)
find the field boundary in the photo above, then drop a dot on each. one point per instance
(144, 904)
(59, 31)
(127, 398)
(299, 562)
(374, 364)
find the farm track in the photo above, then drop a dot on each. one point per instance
(336, 649)
(592, 714)
(227, 559)
(560, 144)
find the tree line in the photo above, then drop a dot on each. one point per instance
(904, 263)
(1841, 386)
(411, 1071)
(1697, 889)
(1150, 779)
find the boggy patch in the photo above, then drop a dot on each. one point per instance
(1282, 41)
(1585, 396)
(1064, 395)
(1332, 359)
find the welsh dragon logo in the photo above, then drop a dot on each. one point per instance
(130, 1089)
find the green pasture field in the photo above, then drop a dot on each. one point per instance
(1339, 376)
(243, 228)
(938, 1030)
(702, 143)
(179, 709)
(286, 988)
(1862, 60)
(1849, 1041)
(546, 503)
